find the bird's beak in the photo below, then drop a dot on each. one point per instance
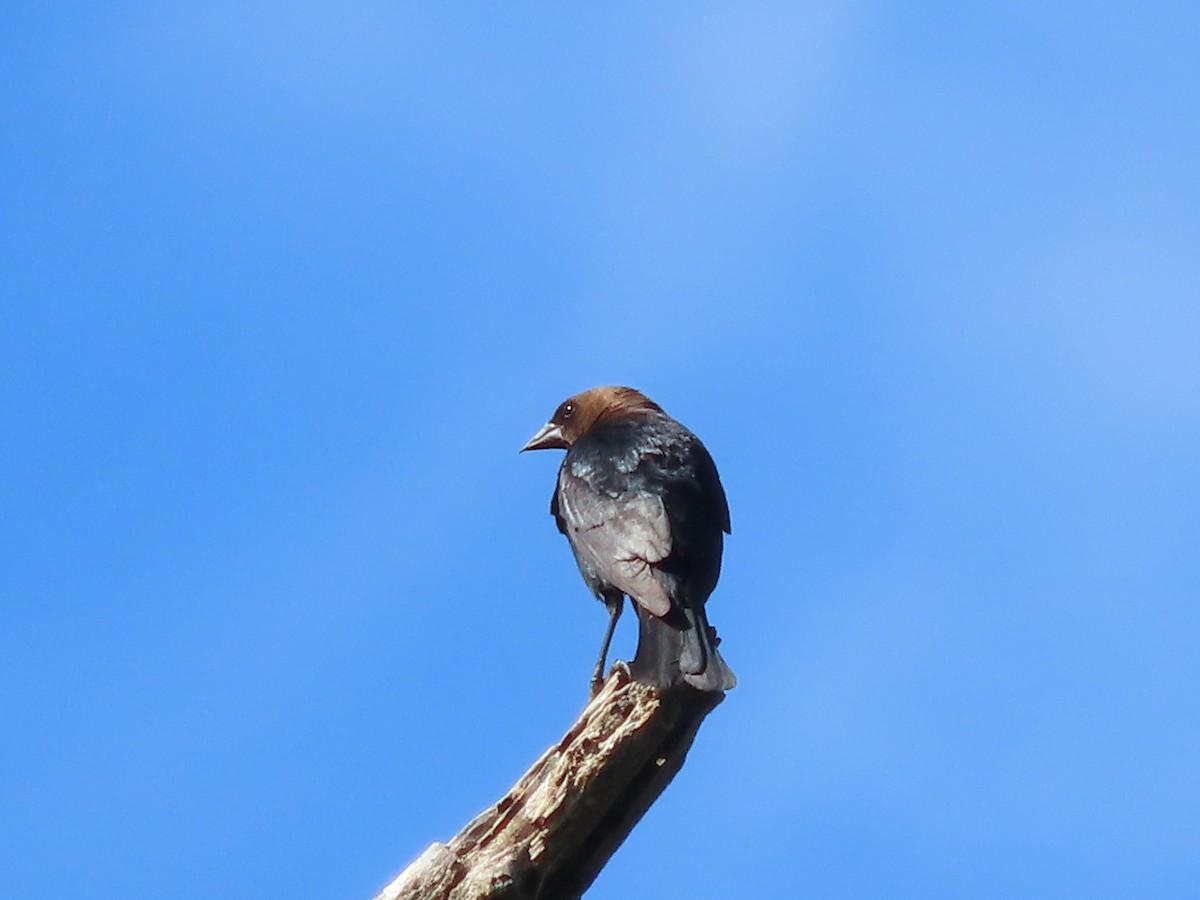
(549, 437)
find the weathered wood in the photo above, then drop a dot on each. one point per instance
(550, 835)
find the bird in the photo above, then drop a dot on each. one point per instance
(642, 506)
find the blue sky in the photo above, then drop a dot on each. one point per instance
(285, 286)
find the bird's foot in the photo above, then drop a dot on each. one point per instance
(598, 677)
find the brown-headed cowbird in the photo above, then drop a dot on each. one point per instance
(639, 499)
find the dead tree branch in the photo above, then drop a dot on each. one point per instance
(550, 835)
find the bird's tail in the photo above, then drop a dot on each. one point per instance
(682, 647)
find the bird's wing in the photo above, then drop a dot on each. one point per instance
(554, 511)
(619, 538)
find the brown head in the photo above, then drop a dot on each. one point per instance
(577, 415)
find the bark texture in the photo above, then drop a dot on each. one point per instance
(550, 835)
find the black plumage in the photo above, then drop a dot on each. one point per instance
(640, 501)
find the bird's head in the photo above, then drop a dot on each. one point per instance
(577, 415)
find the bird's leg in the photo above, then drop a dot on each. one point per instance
(615, 601)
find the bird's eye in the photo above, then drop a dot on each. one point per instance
(568, 409)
